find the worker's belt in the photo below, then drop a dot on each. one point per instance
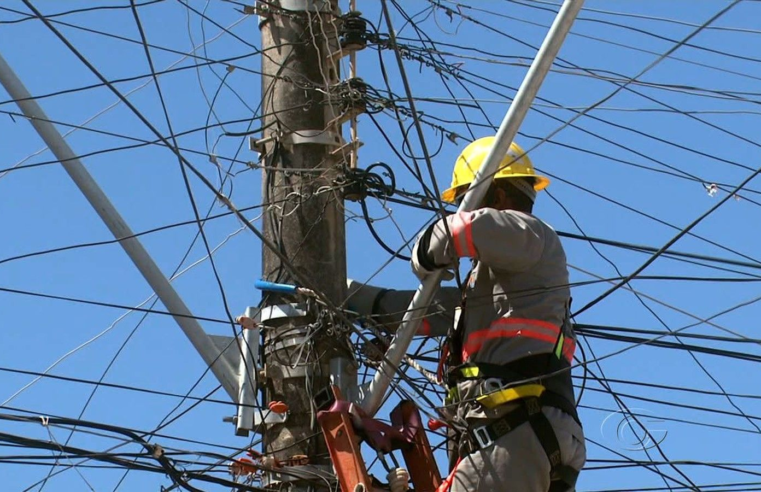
(502, 395)
(530, 410)
(532, 367)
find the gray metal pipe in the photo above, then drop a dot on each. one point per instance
(373, 397)
(119, 228)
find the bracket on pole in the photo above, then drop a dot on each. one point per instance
(259, 418)
(299, 137)
(344, 52)
(343, 374)
(306, 5)
(265, 9)
(248, 370)
(280, 311)
(350, 98)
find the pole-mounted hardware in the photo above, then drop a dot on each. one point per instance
(348, 97)
(248, 370)
(352, 35)
(301, 137)
(250, 416)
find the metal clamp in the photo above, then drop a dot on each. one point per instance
(248, 369)
(291, 342)
(288, 7)
(315, 137)
(288, 372)
(299, 137)
(281, 311)
(268, 418)
(260, 417)
(306, 5)
(298, 473)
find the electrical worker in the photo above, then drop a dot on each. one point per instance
(509, 340)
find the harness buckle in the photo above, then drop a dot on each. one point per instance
(482, 436)
(491, 385)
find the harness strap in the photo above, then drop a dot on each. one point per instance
(456, 334)
(563, 476)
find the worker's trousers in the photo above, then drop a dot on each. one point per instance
(516, 462)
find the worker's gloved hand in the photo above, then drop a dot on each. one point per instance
(361, 297)
(422, 264)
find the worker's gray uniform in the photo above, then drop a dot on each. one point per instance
(517, 302)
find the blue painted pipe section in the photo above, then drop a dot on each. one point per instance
(273, 287)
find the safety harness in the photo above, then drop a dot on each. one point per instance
(563, 477)
(552, 376)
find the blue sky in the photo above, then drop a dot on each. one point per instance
(693, 113)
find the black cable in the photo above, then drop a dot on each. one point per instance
(680, 344)
(183, 170)
(583, 327)
(135, 235)
(71, 12)
(668, 244)
(109, 304)
(683, 389)
(111, 385)
(673, 345)
(364, 182)
(142, 142)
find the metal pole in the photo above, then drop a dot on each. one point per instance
(119, 228)
(375, 393)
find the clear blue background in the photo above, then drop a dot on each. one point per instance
(40, 208)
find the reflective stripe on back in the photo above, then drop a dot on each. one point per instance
(514, 338)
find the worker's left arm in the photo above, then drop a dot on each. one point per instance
(501, 239)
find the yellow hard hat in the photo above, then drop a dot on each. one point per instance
(514, 165)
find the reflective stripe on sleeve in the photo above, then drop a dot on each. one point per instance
(460, 225)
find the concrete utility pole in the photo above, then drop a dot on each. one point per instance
(302, 351)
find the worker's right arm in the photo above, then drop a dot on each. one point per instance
(503, 240)
(388, 307)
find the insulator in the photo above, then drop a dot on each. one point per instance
(353, 31)
(398, 480)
